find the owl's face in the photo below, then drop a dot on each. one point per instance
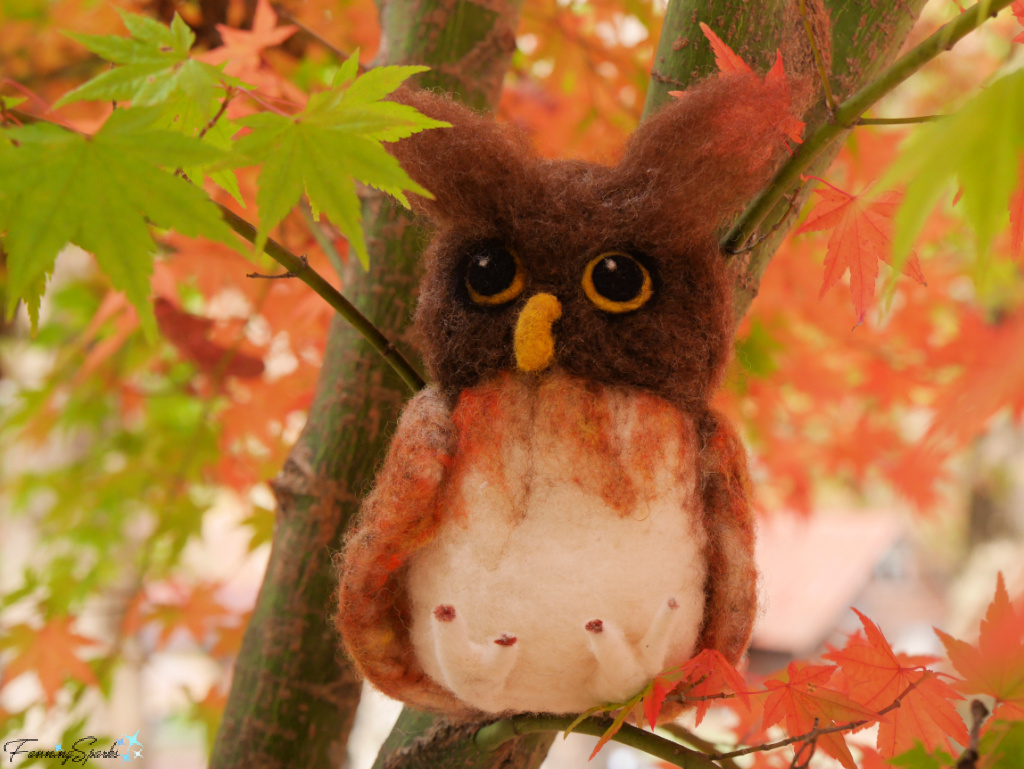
(609, 273)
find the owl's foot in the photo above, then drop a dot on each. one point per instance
(474, 672)
(655, 644)
(621, 671)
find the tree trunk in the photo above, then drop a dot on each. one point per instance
(865, 37)
(294, 696)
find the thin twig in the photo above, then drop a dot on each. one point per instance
(228, 96)
(782, 220)
(815, 733)
(969, 758)
(898, 120)
(321, 238)
(849, 112)
(819, 60)
(321, 286)
(288, 16)
(289, 274)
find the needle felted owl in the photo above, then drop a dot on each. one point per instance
(561, 515)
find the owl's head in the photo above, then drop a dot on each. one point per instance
(610, 273)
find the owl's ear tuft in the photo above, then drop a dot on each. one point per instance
(468, 167)
(709, 151)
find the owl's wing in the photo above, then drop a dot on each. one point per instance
(400, 516)
(732, 575)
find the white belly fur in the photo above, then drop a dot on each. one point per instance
(541, 568)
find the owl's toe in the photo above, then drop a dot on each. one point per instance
(655, 644)
(619, 673)
(475, 672)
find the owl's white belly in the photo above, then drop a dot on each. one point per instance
(541, 594)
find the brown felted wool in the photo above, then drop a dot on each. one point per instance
(561, 515)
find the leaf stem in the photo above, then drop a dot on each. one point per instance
(292, 19)
(297, 266)
(848, 114)
(228, 96)
(819, 61)
(492, 735)
(898, 120)
(321, 238)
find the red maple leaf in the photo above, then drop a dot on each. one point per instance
(51, 652)
(706, 676)
(806, 704)
(1018, 10)
(189, 334)
(1017, 199)
(995, 665)
(728, 61)
(861, 235)
(731, 63)
(875, 676)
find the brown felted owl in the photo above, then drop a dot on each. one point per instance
(561, 515)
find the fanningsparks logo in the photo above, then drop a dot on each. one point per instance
(78, 753)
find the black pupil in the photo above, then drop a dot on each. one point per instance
(618, 278)
(491, 272)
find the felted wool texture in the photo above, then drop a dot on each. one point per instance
(682, 173)
(400, 516)
(519, 447)
(572, 505)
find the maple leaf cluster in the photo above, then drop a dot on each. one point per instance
(864, 687)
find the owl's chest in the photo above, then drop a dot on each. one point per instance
(569, 567)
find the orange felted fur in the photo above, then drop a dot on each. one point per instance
(561, 515)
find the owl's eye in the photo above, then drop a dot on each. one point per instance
(616, 282)
(494, 276)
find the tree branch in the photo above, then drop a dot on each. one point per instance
(298, 267)
(495, 734)
(850, 111)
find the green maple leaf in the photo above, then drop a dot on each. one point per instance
(333, 143)
(102, 193)
(155, 67)
(977, 146)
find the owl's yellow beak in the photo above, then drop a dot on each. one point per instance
(534, 342)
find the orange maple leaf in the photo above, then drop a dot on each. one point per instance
(875, 676)
(244, 49)
(995, 665)
(806, 703)
(196, 611)
(861, 235)
(51, 652)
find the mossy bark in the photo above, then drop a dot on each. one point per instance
(294, 695)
